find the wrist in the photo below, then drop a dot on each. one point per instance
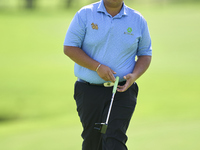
(134, 76)
(98, 67)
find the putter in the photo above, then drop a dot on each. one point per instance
(102, 127)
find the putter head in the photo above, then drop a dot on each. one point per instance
(101, 127)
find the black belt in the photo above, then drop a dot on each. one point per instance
(83, 81)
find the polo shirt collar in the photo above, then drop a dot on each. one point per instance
(123, 12)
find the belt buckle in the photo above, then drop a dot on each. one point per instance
(108, 84)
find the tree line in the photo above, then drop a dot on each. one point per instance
(30, 4)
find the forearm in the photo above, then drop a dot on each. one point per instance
(80, 57)
(141, 66)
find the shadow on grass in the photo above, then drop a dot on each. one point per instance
(8, 118)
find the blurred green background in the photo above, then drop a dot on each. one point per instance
(37, 110)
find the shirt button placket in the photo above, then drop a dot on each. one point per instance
(111, 27)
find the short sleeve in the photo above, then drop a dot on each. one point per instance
(144, 46)
(76, 32)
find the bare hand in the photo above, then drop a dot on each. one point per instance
(130, 79)
(106, 73)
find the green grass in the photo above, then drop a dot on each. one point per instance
(37, 110)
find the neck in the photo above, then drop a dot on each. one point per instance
(113, 10)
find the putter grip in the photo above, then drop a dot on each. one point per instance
(115, 86)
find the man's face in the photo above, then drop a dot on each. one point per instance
(113, 3)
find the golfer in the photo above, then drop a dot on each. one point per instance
(103, 40)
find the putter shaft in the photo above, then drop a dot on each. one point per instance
(102, 127)
(111, 103)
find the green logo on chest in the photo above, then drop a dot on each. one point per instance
(129, 30)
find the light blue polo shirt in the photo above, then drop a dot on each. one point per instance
(112, 41)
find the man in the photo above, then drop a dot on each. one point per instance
(103, 40)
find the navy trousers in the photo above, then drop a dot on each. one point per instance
(92, 105)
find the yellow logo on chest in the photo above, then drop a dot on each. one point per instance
(94, 26)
